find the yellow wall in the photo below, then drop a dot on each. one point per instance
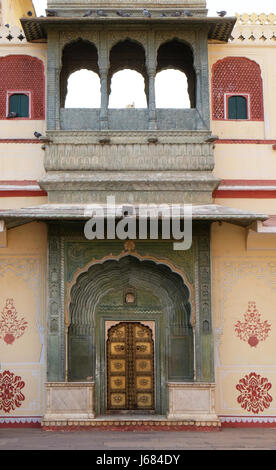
(12, 10)
(240, 276)
(22, 275)
(248, 161)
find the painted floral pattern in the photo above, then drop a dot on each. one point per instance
(254, 396)
(11, 396)
(11, 327)
(252, 329)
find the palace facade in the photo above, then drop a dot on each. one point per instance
(129, 332)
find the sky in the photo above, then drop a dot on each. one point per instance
(84, 91)
(231, 6)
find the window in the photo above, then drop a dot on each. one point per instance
(19, 105)
(237, 107)
(83, 90)
(171, 89)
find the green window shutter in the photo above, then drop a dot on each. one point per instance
(19, 104)
(237, 107)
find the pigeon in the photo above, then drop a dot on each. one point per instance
(163, 14)
(146, 13)
(101, 13)
(37, 135)
(122, 13)
(176, 13)
(222, 13)
(12, 114)
(88, 13)
(187, 13)
(51, 13)
(7, 25)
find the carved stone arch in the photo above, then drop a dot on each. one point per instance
(80, 273)
(177, 53)
(78, 52)
(67, 37)
(113, 276)
(186, 38)
(116, 37)
(118, 50)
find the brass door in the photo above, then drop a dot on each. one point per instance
(130, 367)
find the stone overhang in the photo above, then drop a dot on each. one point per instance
(219, 29)
(80, 213)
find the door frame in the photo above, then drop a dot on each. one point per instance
(160, 354)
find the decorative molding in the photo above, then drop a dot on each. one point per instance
(255, 19)
(12, 35)
(123, 254)
(20, 422)
(248, 421)
(67, 37)
(113, 37)
(255, 30)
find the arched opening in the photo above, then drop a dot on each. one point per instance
(127, 90)
(77, 56)
(178, 56)
(83, 90)
(161, 297)
(128, 58)
(171, 89)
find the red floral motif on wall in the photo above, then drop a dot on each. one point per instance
(254, 396)
(10, 391)
(252, 329)
(11, 327)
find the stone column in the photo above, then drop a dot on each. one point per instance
(103, 63)
(53, 69)
(202, 80)
(104, 99)
(151, 69)
(204, 330)
(152, 103)
(55, 321)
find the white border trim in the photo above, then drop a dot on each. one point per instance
(247, 419)
(19, 419)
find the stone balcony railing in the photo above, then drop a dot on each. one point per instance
(134, 166)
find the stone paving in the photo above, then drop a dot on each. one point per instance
(226, 439)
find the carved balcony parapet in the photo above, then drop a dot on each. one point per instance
(126, 151)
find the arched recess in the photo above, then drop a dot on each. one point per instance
(83, 90)
(76, 55)
(237, 76)
(178, 55)
(127, 90)
(24, 74)
(162, 295)
(171, 89)
(127, 54)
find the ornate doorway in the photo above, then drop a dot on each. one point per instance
(130, 368)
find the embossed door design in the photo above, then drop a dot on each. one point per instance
(130, 367)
